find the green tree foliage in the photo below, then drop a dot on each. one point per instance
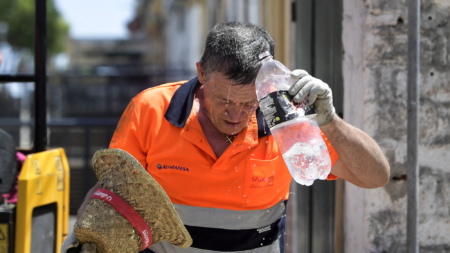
(19, 15)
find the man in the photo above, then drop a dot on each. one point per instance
(206, 143)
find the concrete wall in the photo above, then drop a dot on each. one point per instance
(375, 55)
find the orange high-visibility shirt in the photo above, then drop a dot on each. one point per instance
(162, 132)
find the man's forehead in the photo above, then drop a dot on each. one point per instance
(227, 88)
(235, 92)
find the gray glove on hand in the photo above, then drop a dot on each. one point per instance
(319, 94)
(72, 242)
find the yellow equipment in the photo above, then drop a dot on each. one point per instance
(43, 201)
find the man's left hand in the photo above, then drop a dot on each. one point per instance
(319, 94)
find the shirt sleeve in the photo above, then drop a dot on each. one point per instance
(333, 155)
(126, 136)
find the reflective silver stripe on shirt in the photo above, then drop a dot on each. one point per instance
(229, 219)
(166, 247)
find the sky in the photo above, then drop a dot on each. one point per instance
(97, 19)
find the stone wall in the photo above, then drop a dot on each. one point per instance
(375, 55)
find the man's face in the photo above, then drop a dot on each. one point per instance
(229, 106)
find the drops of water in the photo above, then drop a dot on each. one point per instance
(229, 89)
(239, 187)
(261, 244)
(254, 164)
(239, 217)
(241, 109)
(253, 154)
(267, 141)
(264, 239)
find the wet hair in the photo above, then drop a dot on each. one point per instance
(233, 49)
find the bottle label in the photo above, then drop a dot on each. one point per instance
(279, 107)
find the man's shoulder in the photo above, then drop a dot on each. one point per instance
(160, 93)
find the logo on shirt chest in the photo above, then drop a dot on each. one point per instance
(261, 182)
(171, 167)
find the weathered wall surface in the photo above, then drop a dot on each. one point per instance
(375, 45)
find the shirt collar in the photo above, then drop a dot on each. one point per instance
(181, 105)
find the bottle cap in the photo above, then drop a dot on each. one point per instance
(264, 55)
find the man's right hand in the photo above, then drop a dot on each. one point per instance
(70, 242)
(71, 245)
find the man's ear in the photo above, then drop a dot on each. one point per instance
(200, 73)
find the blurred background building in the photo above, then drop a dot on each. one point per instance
(102, 53)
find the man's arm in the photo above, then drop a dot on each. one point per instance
(361, 161)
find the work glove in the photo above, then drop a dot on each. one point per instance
(318, 92)
(70, 245)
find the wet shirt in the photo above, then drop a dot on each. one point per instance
(232, 203)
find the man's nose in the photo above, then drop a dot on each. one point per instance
(236, 111)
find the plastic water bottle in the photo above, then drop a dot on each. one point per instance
(292, 125)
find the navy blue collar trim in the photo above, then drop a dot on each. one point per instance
(181, 105)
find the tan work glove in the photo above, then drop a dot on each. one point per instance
(70, 245)
(319, 94)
